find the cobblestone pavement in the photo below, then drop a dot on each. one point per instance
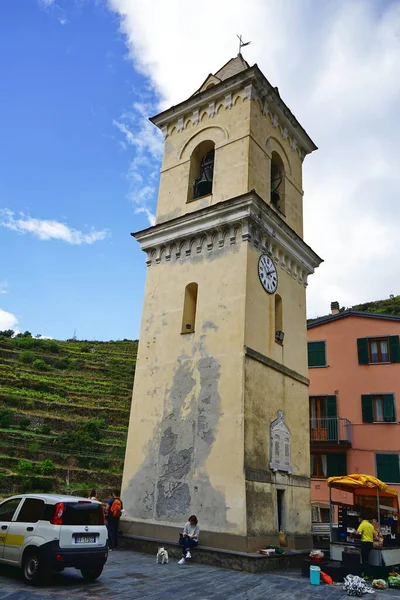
(130, 575)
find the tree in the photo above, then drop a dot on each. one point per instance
(8, 333)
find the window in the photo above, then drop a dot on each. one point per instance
(189, 308)
(201, 171)
(316, 354)
(278, 319)
(277, 182)
(31, 511)
(378, 408)
(329, 465)
(323, 419)
(7, 509)
(378, 350)
(388, 468)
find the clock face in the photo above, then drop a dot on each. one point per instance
(267, 274)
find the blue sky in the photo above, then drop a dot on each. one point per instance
(79, 161)
(61, 159)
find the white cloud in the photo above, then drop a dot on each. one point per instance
(7, 320)
(3, 287)
(145, 140)
(336, 65)
(48, 230)
(55, 9)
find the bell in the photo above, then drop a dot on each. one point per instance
(203, 185)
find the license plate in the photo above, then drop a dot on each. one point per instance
(85, 539)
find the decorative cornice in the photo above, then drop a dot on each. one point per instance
(250, 85)
(246, 218)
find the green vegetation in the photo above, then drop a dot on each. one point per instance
(64, 412)
(390, 306)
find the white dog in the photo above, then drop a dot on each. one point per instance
(162, 556)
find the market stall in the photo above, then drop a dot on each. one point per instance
(366, 497)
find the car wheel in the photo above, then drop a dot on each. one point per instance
(32, 570)
(91, 574)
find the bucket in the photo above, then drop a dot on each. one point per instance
(315, 575)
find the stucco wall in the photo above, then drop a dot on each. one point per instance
(350, 380)
(260, 317)
(185, 445)
(266, 392)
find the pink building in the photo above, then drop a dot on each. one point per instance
(354, 370)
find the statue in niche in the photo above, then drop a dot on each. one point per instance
(280, 445)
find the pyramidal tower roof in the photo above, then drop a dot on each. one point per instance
(232, 67)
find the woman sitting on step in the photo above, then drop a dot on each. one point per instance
(191, 533)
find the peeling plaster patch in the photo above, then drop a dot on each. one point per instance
(179, 463)
(173, 500)
(209, 325)
(165, 487)
(168, 441)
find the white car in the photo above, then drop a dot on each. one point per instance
(46, 532)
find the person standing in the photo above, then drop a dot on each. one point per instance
(191, 533)
(93, 495)
(366, 530)
(113, 511)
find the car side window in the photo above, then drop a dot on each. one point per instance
(31, 511)
(8, 508)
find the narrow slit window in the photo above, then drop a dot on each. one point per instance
(278, 319)
(189, 308)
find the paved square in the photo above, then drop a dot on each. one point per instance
(131, 575)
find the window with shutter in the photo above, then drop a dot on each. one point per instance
(394, 348)
(362, 348)
(389, 415)
(378, 408)
(367, 409)
(388, 468)
(316, 354)
(336, 464)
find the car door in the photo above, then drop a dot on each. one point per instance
(7, 511)
(22, 529)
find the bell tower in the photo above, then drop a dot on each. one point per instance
(219, 422)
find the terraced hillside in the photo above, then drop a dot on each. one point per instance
(64, 411)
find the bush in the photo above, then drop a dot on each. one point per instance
(27, 357)
(45, 428)
(46, 467)
(24, 422)
(40, 365)
(62, 363)
(33, 447)
(6, 417)
(24, 466)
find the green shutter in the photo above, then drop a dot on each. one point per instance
(363, 354)
(336, 464)
(367, 410)
(394, 348)
(388, 407)
(316, 354)
(331, 411)
(387, 468)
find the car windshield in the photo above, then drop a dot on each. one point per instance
(83, 513)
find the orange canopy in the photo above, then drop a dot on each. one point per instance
(357, 481)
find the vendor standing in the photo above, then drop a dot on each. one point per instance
(366, 530)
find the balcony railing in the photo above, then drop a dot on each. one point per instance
(331, 430)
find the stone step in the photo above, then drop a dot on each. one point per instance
(228, 559)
